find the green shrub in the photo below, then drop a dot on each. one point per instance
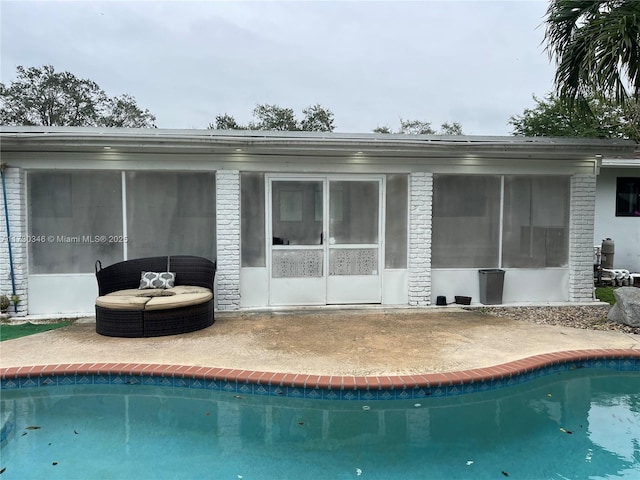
(4, 303)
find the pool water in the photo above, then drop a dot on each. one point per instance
(569, 425)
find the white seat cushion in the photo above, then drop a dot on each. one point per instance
(122, 302)
(177, 301)
(136, 292)
(180, 289)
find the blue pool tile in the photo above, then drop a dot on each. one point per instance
(48, 381)
(369, 395)
(349, 395)
(213, 385)
(313, 393)
(150, 380)
(28, 382)
(261, 390)
(196, 383)
(331, 395)
(245, 388)
(470, 388)
(295, 392)
(133, 380)
(229, 387)
(439, 392)
(165, 382)
(10, 384)
(453, 390)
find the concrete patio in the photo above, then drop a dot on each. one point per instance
(323, 341)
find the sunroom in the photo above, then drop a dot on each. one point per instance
(297, 219)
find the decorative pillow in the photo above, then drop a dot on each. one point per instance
(157, 280)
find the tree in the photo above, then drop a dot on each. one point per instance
(596, 46)
(604, 118)
(226, 122)
(42, 96)
(317, 119)
(124, 112)
(418, 127)
(453, 128)
(273, 117)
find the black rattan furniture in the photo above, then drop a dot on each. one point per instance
(143, 320)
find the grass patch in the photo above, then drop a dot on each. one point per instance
(9, 332)
(605, 294)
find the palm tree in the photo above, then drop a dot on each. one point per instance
(596, 46)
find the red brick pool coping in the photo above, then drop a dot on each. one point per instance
(327, 382)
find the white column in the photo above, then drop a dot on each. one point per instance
(420, 221)
(228, 239)
(15, 193)
(581, 225)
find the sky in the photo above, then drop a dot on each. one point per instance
(370, 63)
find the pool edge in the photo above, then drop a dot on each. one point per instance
(405, 382)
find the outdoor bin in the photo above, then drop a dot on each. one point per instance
(491, 284)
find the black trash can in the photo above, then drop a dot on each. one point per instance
(491, 285)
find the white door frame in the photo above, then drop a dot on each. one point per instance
(325, 289)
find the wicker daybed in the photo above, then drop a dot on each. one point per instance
(124, 309)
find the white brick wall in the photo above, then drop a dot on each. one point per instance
(583, 204)
(14, 182)
(228, 239)
(420, 210)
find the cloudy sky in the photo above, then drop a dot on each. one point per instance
(370, 63)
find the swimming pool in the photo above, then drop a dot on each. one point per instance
(568, 422)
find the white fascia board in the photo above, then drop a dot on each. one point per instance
(621, 162)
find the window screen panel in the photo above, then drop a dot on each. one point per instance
(536, 218)
(396, 221)
(252, 219)
(354, 210)
(171, 213)
(466, 221)
(297, 212)
(77, 216)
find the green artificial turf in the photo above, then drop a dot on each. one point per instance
(9, 332)
(605, 294)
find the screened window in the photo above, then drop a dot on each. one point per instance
(297, 212)
(396, 221)
(466, 221)
(75, 218)
(354, 212)
(628, 197)
(171, 213)
(252, 219)
(536, 214)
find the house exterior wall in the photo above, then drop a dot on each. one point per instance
(14, 183)
(225, 153)
(624, 231)
(420, 209)
(582, 208)
(420, 275)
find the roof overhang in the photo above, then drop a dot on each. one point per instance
(87, 140)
